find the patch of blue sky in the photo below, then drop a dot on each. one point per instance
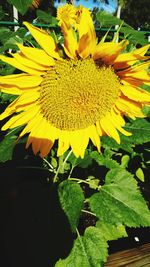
(110, 7)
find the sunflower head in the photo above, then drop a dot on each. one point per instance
(77, 92)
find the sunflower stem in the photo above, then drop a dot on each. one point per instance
(61, 166)
(48, 163)
(78, 180)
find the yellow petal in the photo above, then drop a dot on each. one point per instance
(63, 143)
(21, 118)
(135, 93)
(70, 42)
(44, 40)
(23, 102)
(132, 109)
(21, 80)
(109, 51)
(78, 141)
(28, 62)
(139, 75)
(141, 51)
(94, 136)
(127, 59)
(39, 136)
(116, 120)
(109, 128)
(99, 129)
(86, 30)
(37, 55)
(7, 89)
(16, 64)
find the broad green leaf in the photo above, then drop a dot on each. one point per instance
(120, 201)
(21, 5)
(107, 19)
(139, 173)
(89, 250)
(5, 34)
(46, 17)
(125, 143)
(71, 199)
(136, 37)
(6, 148)
(83, 163)
(104, 161)
(140, 129)
(110, 231)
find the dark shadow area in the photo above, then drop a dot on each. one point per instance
(33, 228)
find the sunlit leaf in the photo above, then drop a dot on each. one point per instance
(120, 201)
(110, 231)
(89, 250)
(104, 161)
(139, 173)
(140, 129)
(71, 199)
(107, 19)
(6, 148)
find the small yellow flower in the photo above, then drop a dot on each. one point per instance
(66, 14)
(79, 96)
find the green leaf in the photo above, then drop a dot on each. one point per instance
(140, 129)
(89, 250)
(104, 161)
(45, 17)
(21, 5)
(136, 37)
(110, 231)
(139, 173)
(124, 161)
(125, 143)
(83, 163)
(6, 147)
(71, 199)
(146, 111)
(107, 19)
(7, 97)
(120, 201)
(5, 34)
(54, 162)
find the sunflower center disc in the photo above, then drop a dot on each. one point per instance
(76, 94)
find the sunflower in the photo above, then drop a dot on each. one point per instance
(77, 92)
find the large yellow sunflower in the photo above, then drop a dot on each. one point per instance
(75, 93)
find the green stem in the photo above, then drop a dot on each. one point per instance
(48, 163)
(70, 152)
(78, 180)
(89, 212)
(61, 166)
